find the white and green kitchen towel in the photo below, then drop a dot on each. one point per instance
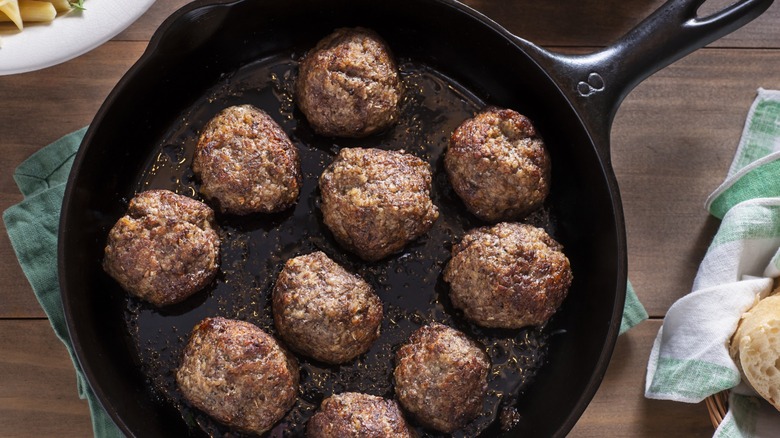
(689, 360)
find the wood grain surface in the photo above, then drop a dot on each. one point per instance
(672, 141)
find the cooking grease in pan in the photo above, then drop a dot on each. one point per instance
(255, 247)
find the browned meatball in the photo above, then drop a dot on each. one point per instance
(323, 311)
(246, 162)
(441, 377)
(238, 374)
(510, 275)
(164, 249)
(348, 84)
(376, 201)
(358, 415)
(498, 165)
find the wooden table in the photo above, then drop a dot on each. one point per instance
(672, 142)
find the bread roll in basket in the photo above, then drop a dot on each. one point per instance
(755, 347)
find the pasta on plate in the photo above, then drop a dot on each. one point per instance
(20, 12)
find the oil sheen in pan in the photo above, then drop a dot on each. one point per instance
(255, 247)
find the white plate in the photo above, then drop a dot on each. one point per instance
(43, 45)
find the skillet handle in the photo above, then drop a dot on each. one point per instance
(597, 83)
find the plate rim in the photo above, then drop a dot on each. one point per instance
(88, 26)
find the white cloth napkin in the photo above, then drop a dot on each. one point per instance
(689, 360)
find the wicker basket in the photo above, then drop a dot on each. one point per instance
(717, 405)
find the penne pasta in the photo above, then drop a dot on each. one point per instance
(41, 11)
(10, 9)
(61, 5)
(37, 11)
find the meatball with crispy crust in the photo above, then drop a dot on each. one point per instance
(348, 84)
(246, 162)
(510, 275)
(498, 165)
(441, 377)
(376, 201)
(357, 415)
(238, 374)
(164, 249)
(324, 312)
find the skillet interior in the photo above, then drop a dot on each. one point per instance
(194, 66)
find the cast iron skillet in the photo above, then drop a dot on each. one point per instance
(213, 53)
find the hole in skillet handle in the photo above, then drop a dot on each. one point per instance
(597, 83)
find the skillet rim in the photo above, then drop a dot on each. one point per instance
(159, 36)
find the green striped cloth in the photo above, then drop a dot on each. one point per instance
(32, 228)
(633, 310)
(689, 360)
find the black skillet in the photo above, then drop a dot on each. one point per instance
(214, 53)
